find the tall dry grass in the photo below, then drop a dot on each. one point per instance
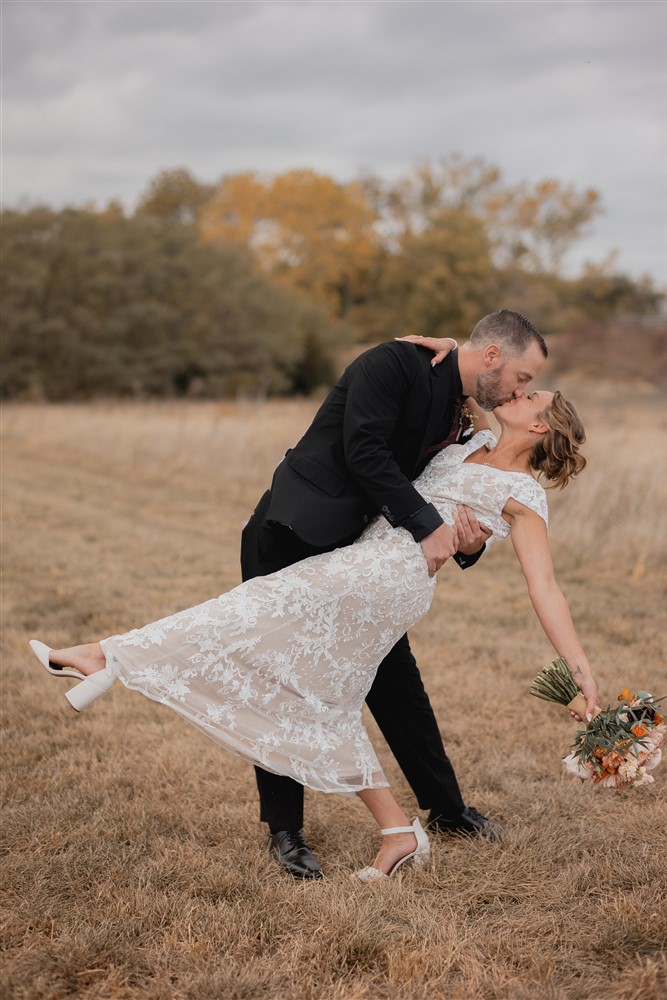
(134, 863)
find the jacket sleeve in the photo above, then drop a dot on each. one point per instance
(376, 390)
(465, 562)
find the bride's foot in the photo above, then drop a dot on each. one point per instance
(400, 845)
(395, 846)
(87, 663)
(87, 658)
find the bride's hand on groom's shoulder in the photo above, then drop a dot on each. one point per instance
(441, 346)
(439, 546)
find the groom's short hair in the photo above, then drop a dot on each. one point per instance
(510, 330)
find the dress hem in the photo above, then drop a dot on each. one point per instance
(113, 654)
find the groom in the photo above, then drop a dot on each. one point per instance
(389, 413)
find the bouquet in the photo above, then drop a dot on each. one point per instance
(619, 745)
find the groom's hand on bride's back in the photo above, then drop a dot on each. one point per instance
(439, 546)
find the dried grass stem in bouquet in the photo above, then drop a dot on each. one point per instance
(555, 683)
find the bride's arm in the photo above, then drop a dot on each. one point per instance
(531, 544)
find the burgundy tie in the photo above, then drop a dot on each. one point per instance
(457, 427)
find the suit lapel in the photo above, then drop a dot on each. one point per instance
(440, 386)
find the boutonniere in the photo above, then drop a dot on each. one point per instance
(467, 420)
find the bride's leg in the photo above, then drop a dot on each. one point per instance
(87, 658)
(387, 813)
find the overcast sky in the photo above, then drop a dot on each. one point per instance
(99, 95)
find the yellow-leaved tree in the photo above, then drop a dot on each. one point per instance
(309, 232)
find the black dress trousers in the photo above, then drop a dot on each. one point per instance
(397, 699)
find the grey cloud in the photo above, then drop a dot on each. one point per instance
(99, 96)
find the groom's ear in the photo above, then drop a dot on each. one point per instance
(492, 355)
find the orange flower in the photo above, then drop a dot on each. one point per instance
(626, 696)
(612, 762)
(659, 719)
(639, 730)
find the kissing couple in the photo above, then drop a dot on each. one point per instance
(339, 560)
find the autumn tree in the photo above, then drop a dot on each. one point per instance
(309, 232)
(241, 286)
(175, 197)
(528, 225)
(535, 225)
(100, 304)
(602, 293)
(438, 281)
(458, 240)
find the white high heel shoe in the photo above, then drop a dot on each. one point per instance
(419, 856)
(41, 651)
(92, 686)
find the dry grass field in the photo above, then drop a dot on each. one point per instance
(134, 864)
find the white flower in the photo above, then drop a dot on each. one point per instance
(611, 781)
(572, 766)
(628, 769)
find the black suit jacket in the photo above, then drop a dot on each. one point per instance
(366, 443)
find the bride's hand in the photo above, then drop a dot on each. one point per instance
(441, 345)
(439, 546)
(588, 688)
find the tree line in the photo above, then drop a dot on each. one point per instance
(253, 285)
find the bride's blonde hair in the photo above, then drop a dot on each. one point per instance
(557, 457)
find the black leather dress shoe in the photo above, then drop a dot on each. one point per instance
(293, 854)
(470, 823)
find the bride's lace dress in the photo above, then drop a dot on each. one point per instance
(277, 670)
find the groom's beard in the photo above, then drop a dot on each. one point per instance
(487, 391)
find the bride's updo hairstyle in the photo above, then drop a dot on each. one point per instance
(557, 457)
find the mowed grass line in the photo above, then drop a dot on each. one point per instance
(134, 863)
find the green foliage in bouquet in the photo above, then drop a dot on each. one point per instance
(618, 732)
(614, 724)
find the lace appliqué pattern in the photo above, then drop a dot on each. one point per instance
(449, 480)
(278, 669)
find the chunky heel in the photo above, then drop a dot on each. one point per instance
(88, 691)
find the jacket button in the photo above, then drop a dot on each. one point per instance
(365, 519)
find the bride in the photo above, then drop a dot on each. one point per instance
(277, 669)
